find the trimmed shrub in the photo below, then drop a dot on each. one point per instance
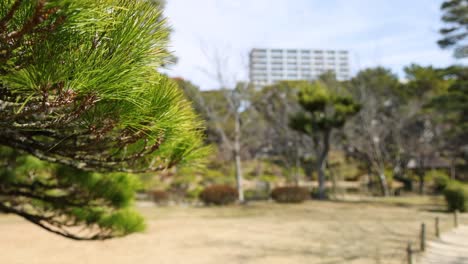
(290, 194)
(159, 196)
(456, 196)
(218, 195)
(315, 193)
(440, 180)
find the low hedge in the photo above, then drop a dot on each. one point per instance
(456, 196)
(219, 195)
(290, 194)
(440, 180)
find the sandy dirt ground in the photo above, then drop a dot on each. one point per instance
(451, 248)
(313, 232)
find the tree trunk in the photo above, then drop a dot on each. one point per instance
(421, 183)
(384, 184)
(237, 158)
(420, 173)
(370, 179)
(332, 176)
(321, 180)
(321, 163)
(453, 174)
(297, 165)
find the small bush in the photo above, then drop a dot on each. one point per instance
(315, 194)
(256, 195)
(159, 196)
(219, 195)
(194, 193)
(440, 180)
(268, 178)
(456, 196)
(291, 194)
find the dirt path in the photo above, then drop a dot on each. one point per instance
(451, 248)
(313, 232)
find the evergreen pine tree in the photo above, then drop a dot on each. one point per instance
(323, 111)
(82, 106)
(455, 32)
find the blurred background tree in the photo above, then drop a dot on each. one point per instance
(455, 32)
(323, 111)
(370, 134)
(452, 107)
(276, 104)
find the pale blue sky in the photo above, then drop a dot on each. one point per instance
(390, 33)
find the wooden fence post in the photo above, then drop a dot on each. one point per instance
(437, 229)
(409, 253)
(455, 218)
(423, 237)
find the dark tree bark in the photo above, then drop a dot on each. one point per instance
(321, 164)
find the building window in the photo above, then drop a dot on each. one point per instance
(259, 56)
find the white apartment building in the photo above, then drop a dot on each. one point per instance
(268, 66)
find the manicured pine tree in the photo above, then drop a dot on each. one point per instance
(323, 111)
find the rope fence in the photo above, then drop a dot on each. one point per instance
(411, 251)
